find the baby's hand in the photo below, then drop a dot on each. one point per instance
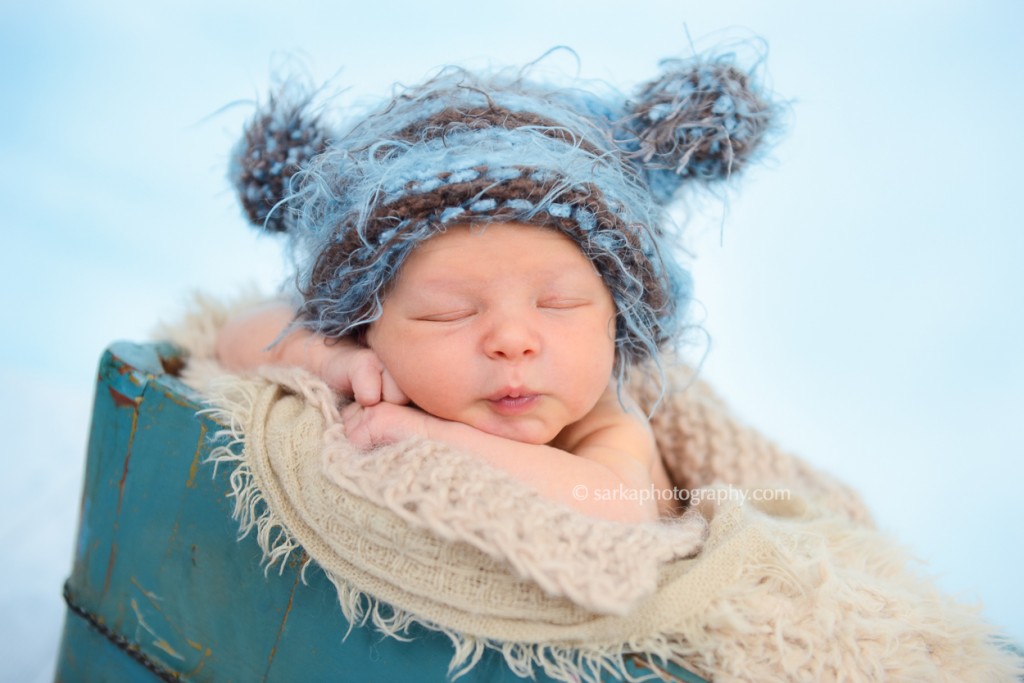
(383, 423)
(251, 339)
(357, 372)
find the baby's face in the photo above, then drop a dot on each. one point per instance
(507, 328)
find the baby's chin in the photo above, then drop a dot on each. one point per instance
(536, 435)
(539, 431)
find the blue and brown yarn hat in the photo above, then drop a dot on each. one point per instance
(469, 148)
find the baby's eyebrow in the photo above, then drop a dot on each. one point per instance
(443, 284)
(540, 279)
(434, 292)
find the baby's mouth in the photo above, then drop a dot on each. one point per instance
(513, 402)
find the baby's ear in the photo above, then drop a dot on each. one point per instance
(279, 141)
(703, 119)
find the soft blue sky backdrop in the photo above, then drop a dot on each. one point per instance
(861, 292)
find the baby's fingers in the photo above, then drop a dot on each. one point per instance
(390, 389)
(368, 385)
(384, 423)
(354, 420)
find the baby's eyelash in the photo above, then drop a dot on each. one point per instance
(445, 316)
(562, 303)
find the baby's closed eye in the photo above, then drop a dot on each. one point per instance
(562, 302)
(446, 316)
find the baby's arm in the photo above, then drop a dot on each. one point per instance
(248, 341)
(602, 465)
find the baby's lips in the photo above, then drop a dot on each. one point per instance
(514, 405)
(511, 391)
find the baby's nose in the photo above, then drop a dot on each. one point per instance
(512, 339)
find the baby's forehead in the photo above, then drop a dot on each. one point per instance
(497, 242)
(482, 251)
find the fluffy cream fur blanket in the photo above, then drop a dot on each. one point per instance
(776, 573)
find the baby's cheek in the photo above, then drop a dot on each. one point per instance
(440, 389)
(439, 405)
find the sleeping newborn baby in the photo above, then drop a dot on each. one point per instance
(482, 260)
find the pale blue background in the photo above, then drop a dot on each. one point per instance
(862, 292)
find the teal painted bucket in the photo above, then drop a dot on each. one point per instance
(162, 589)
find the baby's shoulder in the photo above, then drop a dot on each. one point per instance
(616, 422)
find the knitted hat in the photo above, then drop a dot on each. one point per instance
(468, 148)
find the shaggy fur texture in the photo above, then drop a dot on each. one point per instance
(794, 589)
(478, 148)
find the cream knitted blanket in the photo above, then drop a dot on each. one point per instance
(776, 574)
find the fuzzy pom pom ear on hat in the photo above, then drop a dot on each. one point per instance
(474, 148)
(280, 140)
(702, 119)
